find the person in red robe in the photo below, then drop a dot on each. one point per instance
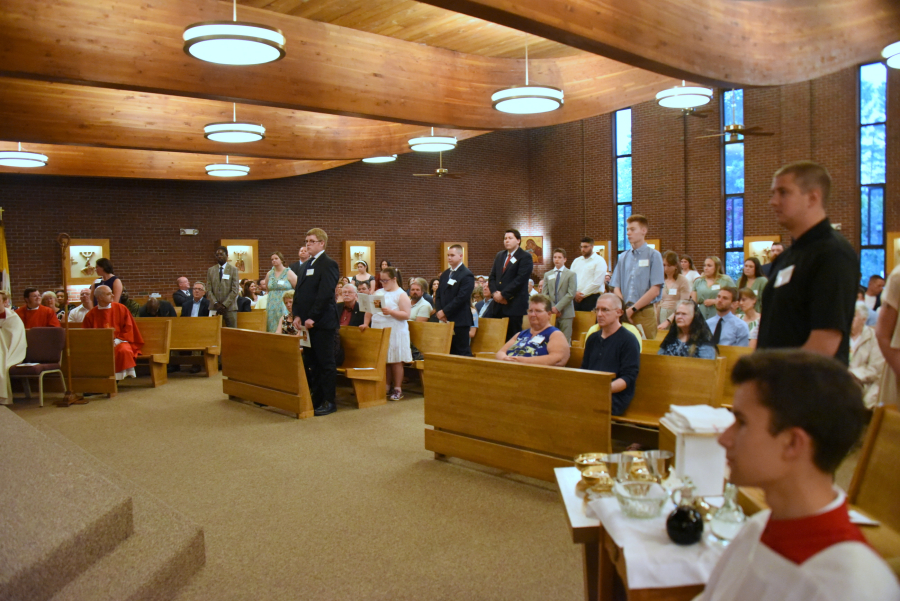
(129, 341)
(35, 315)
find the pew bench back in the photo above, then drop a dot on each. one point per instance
(157, 335)
(92, 360)
(430, 337)
(365, 362)
(252, 320)
(491, 335)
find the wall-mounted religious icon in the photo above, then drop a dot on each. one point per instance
(81, 264)
(534, 245)
(88, 269)
(239, 260)
(244, 255)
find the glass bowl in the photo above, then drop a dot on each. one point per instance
(640, 500)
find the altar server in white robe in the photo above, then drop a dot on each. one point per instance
(797, 415)
(12, 346)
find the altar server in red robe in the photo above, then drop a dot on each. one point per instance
(108, 314)
(797, 415)
(34, 314)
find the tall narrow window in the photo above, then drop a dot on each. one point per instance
(622, 134)
(872, 161)
(733, 162)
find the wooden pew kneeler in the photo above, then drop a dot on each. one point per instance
(365, 363)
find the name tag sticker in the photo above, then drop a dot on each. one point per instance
(537, 339)
(513, 260)
(226, 276)
(644, 263)
(784, 276)
(451, 282)
(309, 272)
(673, 291)
(716, 287)
(212, 313)
(552, 276)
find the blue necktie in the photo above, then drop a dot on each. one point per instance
(556, 292)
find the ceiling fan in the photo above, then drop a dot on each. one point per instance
(440, 171)
(736, 129)
(692, 112)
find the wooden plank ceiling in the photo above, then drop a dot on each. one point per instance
(104, 88)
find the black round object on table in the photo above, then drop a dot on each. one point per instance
(685, 526)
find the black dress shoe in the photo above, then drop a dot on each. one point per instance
(326, 409)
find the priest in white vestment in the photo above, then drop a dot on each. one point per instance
(797, 415)
(12, 346)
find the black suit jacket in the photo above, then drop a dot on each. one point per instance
(314, 294)
(512, 283)
(357, 317)
(295, 267)
(165, 310)
(243, 304)
(455, 299)
(182, 296)
(187, 307)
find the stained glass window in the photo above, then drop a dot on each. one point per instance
(872, 163)
(733, 177)
(622, 137)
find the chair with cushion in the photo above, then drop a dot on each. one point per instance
(45, 349)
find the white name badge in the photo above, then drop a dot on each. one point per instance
(212, 313)
(552, 276)
(309, 272)
(537, 339)
(784, 276)
(513, 260)
(97, 281)
(451, 282)
(673, 291)
(644, 263)
(226, 277)
(716, 287)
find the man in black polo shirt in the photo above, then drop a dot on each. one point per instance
(614, 349)
(809, 300)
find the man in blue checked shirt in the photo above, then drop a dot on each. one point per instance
(638, 277)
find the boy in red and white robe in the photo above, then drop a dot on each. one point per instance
(128, 339)
(797, 415)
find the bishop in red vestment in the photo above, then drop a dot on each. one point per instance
(34, 314)
(108, 314)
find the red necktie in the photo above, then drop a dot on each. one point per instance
(507, 261)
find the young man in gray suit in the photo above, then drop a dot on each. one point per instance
(560, 285)
(222, 284)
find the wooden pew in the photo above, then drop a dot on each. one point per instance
(650, 347)
(254, 320)
(157, 335)
(525, 426)
(177, 310)
(266, 369)
(195, 334)
(665, 381)
(731, 354)
(581, 323)
(491, 335)
(365, 362)
(430, 337)
(92, 360)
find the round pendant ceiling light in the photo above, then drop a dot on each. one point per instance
(227, 169)
(684, 97)
(527, 99)
(432, 143)
(381, 159)
(234, 42)
(22, 158)
(892, 53)
(234, 132)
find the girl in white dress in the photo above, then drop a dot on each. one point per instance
(395, 307)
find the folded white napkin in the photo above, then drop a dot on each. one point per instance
(700, 418)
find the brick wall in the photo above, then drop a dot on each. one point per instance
(553, 181)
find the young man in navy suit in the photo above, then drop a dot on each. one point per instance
(314, 309)
(509, 282)
(453, 302)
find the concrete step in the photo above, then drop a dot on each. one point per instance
(58, 515)
(165, 550)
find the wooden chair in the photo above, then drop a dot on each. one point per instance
(430, 337)
(365, 363)
(195, 334)
(157, 334)
(523, 427)
(266, 369)
(665, 381)
(45, 347)
(254, 320)
(491, 335)
(581, 323)
(875, 487)
(93, 362)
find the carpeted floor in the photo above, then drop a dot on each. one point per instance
(348, 506)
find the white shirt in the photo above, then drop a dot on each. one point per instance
(77, 314)
(870, 301)
(421, 309)
(589, 274)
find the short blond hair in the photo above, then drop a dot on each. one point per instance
(289, 295)
(320, 234)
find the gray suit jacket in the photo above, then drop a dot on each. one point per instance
(567, 290)
(223, 291)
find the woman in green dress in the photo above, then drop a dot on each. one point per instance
(753, 279)
(280, 280)
(707, 286)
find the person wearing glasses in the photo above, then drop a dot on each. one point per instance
(541, 343)
(613, 349)
(395, 309)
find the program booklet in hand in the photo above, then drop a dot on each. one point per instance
(303, 335)
(370, 303)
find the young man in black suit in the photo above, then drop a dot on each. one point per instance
(453, 300)
(509, 282)
(314, 308)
